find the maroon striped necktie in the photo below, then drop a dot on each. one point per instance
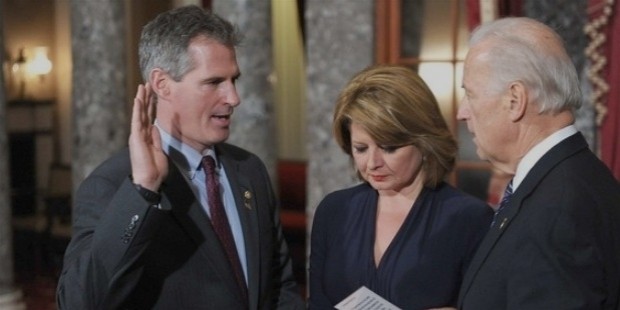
(219, 220)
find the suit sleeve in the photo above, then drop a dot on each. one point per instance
(111, 227)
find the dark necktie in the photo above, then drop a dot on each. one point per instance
(504, 202)
(219, 220)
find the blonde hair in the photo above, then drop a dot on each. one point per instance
(396, 108)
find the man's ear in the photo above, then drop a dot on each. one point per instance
(160, 83)
(518, 101)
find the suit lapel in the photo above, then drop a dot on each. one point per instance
(558, 153)
(245, 202)
(192, 218)
(489, 242)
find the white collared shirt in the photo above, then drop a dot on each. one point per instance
(189, 162)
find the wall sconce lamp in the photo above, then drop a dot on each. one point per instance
(24, 69)
(40, 64)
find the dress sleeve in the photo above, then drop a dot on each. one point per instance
(318, 249)
(479, 222)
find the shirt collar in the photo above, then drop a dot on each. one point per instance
(538, 151)
(185, 157)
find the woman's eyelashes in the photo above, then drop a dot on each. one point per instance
(385, 148)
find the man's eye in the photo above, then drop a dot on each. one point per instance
(213, 82)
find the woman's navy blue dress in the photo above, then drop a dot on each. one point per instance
(423, 266)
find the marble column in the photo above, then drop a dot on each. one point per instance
(568, 18)
(254, 120)
(10, 297)
(100, 111)
(340, 38)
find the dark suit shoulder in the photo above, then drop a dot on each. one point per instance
(588, 171)
(572, 173)
(571, 165)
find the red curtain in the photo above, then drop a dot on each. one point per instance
(473, 13)
(504, 8)
(610, 126)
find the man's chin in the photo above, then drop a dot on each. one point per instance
(213, 140)
(220, 140)
(220, 135)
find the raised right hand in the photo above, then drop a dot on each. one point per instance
(149, 164)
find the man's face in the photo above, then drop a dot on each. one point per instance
(202, 102)
(484, 109)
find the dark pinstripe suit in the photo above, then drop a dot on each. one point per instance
(126, 254)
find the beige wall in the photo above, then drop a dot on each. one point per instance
(62, 75)
(289, 80)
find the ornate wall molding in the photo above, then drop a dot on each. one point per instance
(595, 29)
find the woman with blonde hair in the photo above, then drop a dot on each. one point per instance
(404, 233)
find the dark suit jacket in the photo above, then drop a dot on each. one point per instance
(557, 245)
(129, 255)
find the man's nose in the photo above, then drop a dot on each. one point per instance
(232, 97)
(463, 111)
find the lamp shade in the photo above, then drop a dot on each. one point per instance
(40, 63)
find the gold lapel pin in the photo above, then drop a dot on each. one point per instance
(247, 195)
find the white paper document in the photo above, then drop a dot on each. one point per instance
(365, 299)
